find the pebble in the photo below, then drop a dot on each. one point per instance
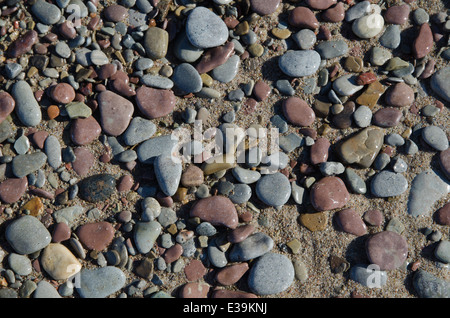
(46, 13)
(346, 85)
(368, 26)
(319, 151)
(168, 174)
(387, 249)
(350, 222)
(388, 184)
(271, 274)
(440, 83)
(154, 147)
(97, 188)
(205, 29)
(334, 14)
(435, 137)
(329, 193)
(394, 140)
(444, 161)
(263, 7)
(215, 57)
(427, 285)
(426, 188)
(387, 117)
(23, 165)
(391, 38)
(116, 13)
(187, 78)
(268, 183)
(156, 41)
(367, 276)
(27, 108)
(45, 290)
(226, 72)
(255, 245)
(139, 130)
(331, 49)
(53, 151)
(59, 262)
(27, 235)
(217, 210)
(442, 251)
(305, 39)
(245, 175)
(100, 282)
(20, 264)
(362, 116)
(298, 112)
(355, 183)
(423, 43)
(96, 236)
(23, 44)
(302, 17)
(331, 168)
(145, 235)
(293, 63)
(373, 217)
(362, 148)
(357, 11)
(155, 103)
(379, 56)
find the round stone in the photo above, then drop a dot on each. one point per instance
(305, 39)
(145, 235)
(392, 37)
(84, 160)
(332, 49)
(84, 131)
(231, 274)
(271, 274)
(319, 151)
(387, 117)
(368, 26)
(440, 83)
(97, 187)
(116, 13)
(362, 116)
(302, 17)
(429, 286)
(366, 276)
(299, 63)
(273, 189)
(187, 78)
(388, 184)
(334, 14)
(444, 161)
(192, 176)
(205, 29)
(329, 193)
(400, 95)
(298, 112)
(7, 105)
(156, 42)
(397, 14)
(27, 235)
(115, 112)
(46, 13)
(96, 236)
(226, 72)
(435, 137)
(12, 189)
(350, 221)
(27, 108)
(155, 103)
(62, 93)
(387, 249)
(217, 210)
(59, 262)
(20, 264)
(373, 217)
(168, 174)
(100, 282)
(264, 7)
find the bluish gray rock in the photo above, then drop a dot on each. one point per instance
(46, 12)
(332, 49)
(145, 235)
(253, 246)
(388, 184)
(154, 147)
(241, 193)
(187, 79)
(52, 149)
(205, 29)
(226, 72)
(27, 235)
(45, 290)
(27, 108)
(440, 83)
(429, 286)
(273, 189)
(100, 282)
(435, 137)
(299, 63)
(168, 173)
(139, 130)
(23, 165)
(368, 276)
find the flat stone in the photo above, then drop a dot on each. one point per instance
(59, 262)
(46, 13)
(379, 56)
(391, 38)
(299, 63)
(264, 7)
(373, 217)
(231, 274)
(302, 17)
(115, 112)
(98, 58)
(362, 148)
(168, 173)
(367, 276)
(27, 235)
(273, 189)
(346, 85)
(217, 210)
(156, 43)
(78, 110)
(96, 236)
(354, 182)
(298, 112)
(145, 235)
(192, 177)
(185, 51)
(253, 246)
(84, 131)
(271, 274)
(187, 78)
(215, 57)
(12, 189)
(205, 29)
(61, 232)
(368, 26)
(387, 249)
(440, 83)
(442, 251)
(100, 282)
(139, 130)
(226, 72)
(68, 215)
(155, 103)
(319, 151)
(397, 14)
(388, 184)
(156, 146)
(427, 285)
(27, 108)
(20, 264)
(97, 187)
(332, 49)
(435, 137)
(23, 165)
(387, 117)
(334, 14)
(362, 116)
(400, 95)
(426, 188)
(329, 193)
(7, 105)
(305, 39)
(357, 11)
(350, 222)
(45, 290)
(240, 233)
(84, 161)
(194, 290)
(245, 175)
(115, 13)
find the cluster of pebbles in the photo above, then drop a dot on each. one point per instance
(93, 204)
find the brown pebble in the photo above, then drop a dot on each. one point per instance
(240, 233)
(155, 103)
(215, 57)
(442, 216)
(96, 236)
(424, 42)
(12, 189)
(261, 90)
(387, 117)
(329, 193)
(192, 176)
(298, 112)
(302, 17)
(83, 162)
(61, 232)
(319, 151)
(218, 210)
(194, 290)
(397, 14)
(84, 131)
(7, 105)
(23, 44)
(195, 270)
(335, 14)
(173, 253)
(125, 183)
(231, 274)
(400, 95)
(350, 222)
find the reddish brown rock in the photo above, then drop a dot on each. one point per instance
(442, 216)
(424, 42)
(261, 90)
(344, 119)
(83, 162)
(23, 44)
(194, 290)
(444, 161)
(397, 14)
(84, 131)
(264, 7)
(319, 151)
(62, 93)
(12, 189)
(298, 112)
(329, 193)
(115, 112)
(192, 176)
(400, 95)
(125, 183)
(61, 232)
(217, 210)
(215, 57)
(350, 222)
(67, 30)
(240, 233)
(387, 117)
(302, 17)
(387, 249)
(429, 69)
(320, 4)
(231, 274)
(115, 13)
(155, 103)
(226, 293)
(335, 14)
(96, 236)
(173, 253)
(373, 217)
(7, 105)
(366, 78)
(106, 71)
(195, 270)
